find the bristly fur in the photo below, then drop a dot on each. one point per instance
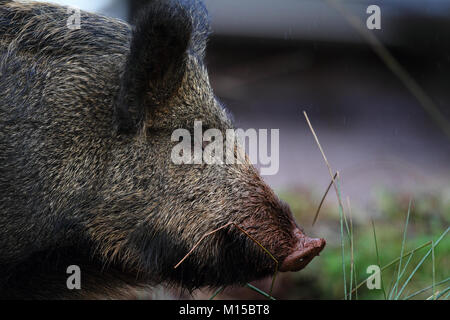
(86, 118)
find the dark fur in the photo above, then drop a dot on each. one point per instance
(86, 118)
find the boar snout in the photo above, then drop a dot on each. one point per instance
(305, 250)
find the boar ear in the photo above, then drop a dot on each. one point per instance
(163, 35)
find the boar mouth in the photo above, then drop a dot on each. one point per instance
(306, 249)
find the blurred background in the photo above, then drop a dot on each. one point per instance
(385, 130)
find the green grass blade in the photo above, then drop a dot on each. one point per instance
(434, 244)
(378, 259)
(268, 296)
(356, 289)
(352, 263)
(403, 272)
(352, 244)
(341, 217)
(425, 289)
(391, 286)
(393, 262)
(442, 293)
(403, 247)
(434, 270)
(447, 296)
(218, 291)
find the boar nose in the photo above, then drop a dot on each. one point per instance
(305, 250)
